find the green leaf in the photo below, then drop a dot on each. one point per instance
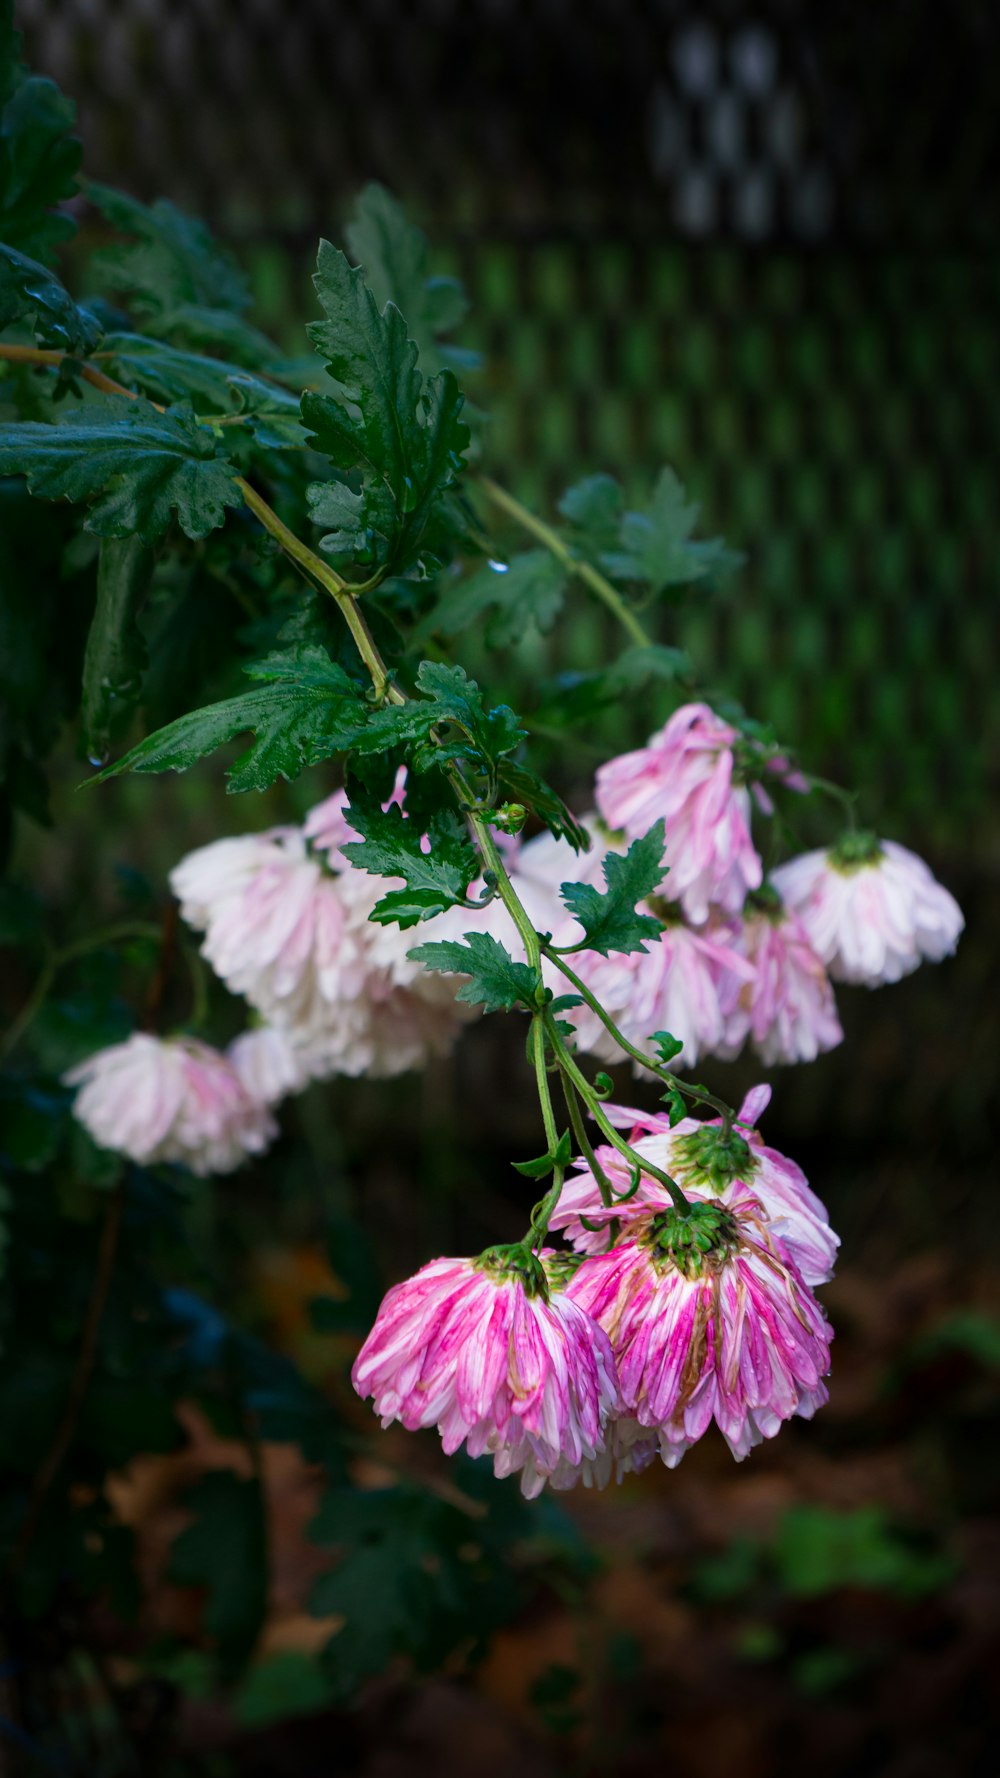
(657, 546)
(38, 157)
(395, 255)
(402, 438)
(170, 374)
(305, 710)
(383, 1581)
(523, 597)
(149, 467)
(495, 980)
(225, 1551)
(594, 509)
(818, 1551)
(5, 1209)
(392, 846)
(172, 261)
(520, 783)
(115, 656)
(609, 919)
(667, 1046)
(28, 288)
(488, 734)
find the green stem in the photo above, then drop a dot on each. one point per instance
(505, 888)
(584, 571)
(697, 1094)
(584, 1143)
(846, 798)
(542, 1079)
(331, 583)
(570, 1067)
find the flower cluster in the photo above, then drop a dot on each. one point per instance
(738, 958)
(585, 1365)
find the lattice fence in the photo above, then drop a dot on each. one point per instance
(760, 242)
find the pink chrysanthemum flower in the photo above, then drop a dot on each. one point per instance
(872, 910)
(286, 923)
(683, 982)
(787, 1010)
(685, 774)
(485, 1351)
(268, 1064)
(170, 1099)
(709, 1167)
(276, 926)
(708, 1319)
(629, 1448)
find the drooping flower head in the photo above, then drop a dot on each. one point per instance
(683, 982)
(494, 1357)
(708, 1318)
(687, 774)
(872, 910)
(787, 1009)
(708, 1165)
(170, 1099)
(286, 923)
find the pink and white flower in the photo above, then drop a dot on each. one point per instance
(787, 1009)
(276, 927)
(170, 1099)
(708, 1318)
(685, 775)
(708, 1167)
(484, 1351)
(286, 924)
(683, 982)
(871, 909)
(268, 1064)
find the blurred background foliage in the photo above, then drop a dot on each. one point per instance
(761, 243)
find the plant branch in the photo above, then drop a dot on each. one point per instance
(585, 571)
(331, 582)
(697, 1094)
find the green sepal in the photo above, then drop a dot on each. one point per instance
(560, 1156)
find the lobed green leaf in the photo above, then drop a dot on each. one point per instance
(610, 919)
(149, 467)
(495, 980)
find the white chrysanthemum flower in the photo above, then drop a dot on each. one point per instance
(871, 909)
(170, 1099)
